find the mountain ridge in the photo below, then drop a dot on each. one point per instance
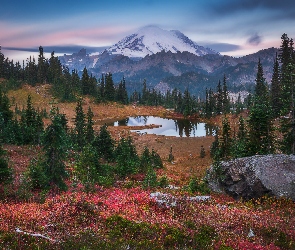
(180, 69)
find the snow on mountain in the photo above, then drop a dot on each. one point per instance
(151, 39)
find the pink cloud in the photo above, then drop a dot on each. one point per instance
(23, 36)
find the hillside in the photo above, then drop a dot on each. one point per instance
(126, 214)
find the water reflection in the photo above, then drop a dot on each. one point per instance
(168, 127)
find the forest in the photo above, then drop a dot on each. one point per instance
(90, 186)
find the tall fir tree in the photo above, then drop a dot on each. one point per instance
(80, 125)
(109, 88)
(55, 147)
(89, 126)
(261, 138)
(42, 66)
(219, 101)
(225, 97)
(104, 144)
(275, 89)
(5, 171)
(85, 81)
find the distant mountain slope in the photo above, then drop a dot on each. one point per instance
(184, 69)
(171, 59)
(151, 40)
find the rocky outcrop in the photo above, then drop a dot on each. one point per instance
(255, 176)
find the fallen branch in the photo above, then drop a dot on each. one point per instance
(34, 235)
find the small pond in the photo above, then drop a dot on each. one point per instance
(167, 127)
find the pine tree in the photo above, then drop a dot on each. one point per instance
(288, 121)
(89, 126)
(5, 170)
(275, 91)
(42, 67)
(128, 161)
(104, 144)
(109, 88)
(5, 111)
(240, 143)
(225, 98)
(145, 160)
(85, 82)
(88, 167)
(226, 141)
(219, 101)
(285, 56)
(260, 118)
(79, 122)
(102, 88)
(55, 146)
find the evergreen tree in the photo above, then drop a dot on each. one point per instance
(260, 118)
(5, 111)
(275, 91)
(5, 170)
(85, 81)
(55, 146)
(219, 101)
(156, 161)
(240, 143)
(80, 125)
(239, 105)
(54, 69)
(89, 126)
(102, 88)
(225, 141)
(286, 60)
(288, 121)
(88, 167)
(145, 160)
(42, 66)
(104, 144)
(109, 88)
(225, 98)
(128, 161)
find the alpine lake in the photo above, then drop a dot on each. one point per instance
(164, 126)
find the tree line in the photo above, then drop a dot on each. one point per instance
(270, 126)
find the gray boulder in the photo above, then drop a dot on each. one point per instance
(255, 176)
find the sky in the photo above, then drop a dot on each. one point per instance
(231, 27)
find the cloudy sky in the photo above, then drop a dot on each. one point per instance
(232, 27)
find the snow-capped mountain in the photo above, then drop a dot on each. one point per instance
(152, 39)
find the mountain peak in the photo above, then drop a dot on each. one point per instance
(152, 39)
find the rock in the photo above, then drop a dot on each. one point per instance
(255, 176)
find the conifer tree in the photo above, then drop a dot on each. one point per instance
(104, 144)
(275, 90)
(109, 88)
(240, 143)
(89, 126)
(226, 141)
(79, 122)
(102, 88)
(128, 161)
(219, 101)
(286, 56)
(5, 170)
(288, 121)
(260, 118)
(225, 98)
(55, 146)
(85, 81)
(42, 67)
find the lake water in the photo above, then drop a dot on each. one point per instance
(168, 127)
